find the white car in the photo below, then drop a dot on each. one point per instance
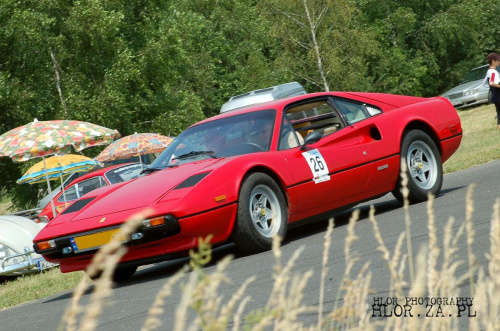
(17, 256)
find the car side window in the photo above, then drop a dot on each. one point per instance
(289, 138)
(90, 184)
(317, 115)
(70, 194)
(355, 111)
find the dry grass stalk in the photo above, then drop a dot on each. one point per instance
(324, 269)
(201, 295)
(227, 309)
(205, 299)
(152, 321)
(284, 304)
(469, 210)
(69, 317)
(182, 307)
(349, 262)
(354, 311)
(418, 290)
(281, 274)
(104, 261)
(396, 282)
(494, 256)
(406, 206)
(282, 311)
(281, 305)
(239, 312)
(486, 298)
(447, 286)
(434, 251)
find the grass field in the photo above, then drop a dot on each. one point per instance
(481, 139)
(480, 144)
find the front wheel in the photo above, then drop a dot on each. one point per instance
(424, 167)
(262, 214)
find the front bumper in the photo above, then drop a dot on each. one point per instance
(67, 246)
(157, 244)
(29, 264)
(467, 101)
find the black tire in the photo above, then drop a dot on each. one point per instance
(123, 273)
(262, 214)
(424, 167)
(120, 274)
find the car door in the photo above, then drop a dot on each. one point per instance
(367, 121)
(329, 173)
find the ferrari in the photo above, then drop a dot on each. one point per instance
(249, 174)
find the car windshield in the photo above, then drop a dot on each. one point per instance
(475, 74)
(224, 137)
(122, 174)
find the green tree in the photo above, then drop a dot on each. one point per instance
(424, 46)
(322, 42)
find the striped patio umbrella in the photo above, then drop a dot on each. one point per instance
(56, 166)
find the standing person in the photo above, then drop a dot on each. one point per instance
(493, 79)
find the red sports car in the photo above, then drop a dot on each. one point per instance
(89, 182)
(248, 174)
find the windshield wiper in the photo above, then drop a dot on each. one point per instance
(195, 153)
(149, 170)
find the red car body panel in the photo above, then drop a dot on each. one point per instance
(363, 161)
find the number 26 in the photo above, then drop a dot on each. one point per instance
(318, 164)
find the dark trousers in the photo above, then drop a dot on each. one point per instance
(497, 106)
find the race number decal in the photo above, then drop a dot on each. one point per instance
(318, 165)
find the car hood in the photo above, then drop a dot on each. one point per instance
(135, 194)
(464, 87)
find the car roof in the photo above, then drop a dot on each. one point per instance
(274, 104)
(98, 172)
(486, 65)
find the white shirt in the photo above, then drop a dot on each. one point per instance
(492, 76)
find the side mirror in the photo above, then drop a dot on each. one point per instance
(311, 138)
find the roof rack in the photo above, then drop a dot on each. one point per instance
(263, 95)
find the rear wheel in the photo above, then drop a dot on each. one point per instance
(262, 214)
(424, 167)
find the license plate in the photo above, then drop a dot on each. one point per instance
(94, 240)
(42, 265)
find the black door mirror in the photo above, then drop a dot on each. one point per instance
(311, 138)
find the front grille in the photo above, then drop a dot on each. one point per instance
(456, 95)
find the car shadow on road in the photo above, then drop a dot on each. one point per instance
(340, 220)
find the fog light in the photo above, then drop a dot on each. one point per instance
(67, 250)
(137, 236)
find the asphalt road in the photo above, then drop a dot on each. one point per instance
(128, 306)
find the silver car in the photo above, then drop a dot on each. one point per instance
(471, 91)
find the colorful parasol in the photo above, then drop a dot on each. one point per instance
(134, 145)
(57, 166)
(43, 138)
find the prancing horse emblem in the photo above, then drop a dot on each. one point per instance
(102, 219)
